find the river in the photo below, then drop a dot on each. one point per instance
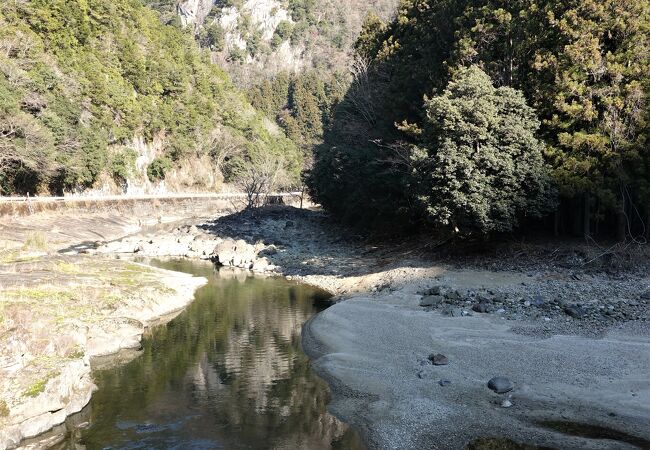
(229, 372)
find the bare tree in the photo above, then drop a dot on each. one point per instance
(260, 177)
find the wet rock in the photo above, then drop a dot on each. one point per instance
(444, 382)
(431, 300)
(575, 311)
(438, 359)
(500, 385)
(481, 307)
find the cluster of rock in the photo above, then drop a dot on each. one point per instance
(498, 384)
(190, 242)
(522, 305)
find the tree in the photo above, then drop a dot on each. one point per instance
(479, 167)
(261, 176)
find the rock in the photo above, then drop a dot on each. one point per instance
(527, 303)
(575, 311)
(289, 224)
(506, 403)
(453, 295)
(481, 307)
(435, 290)
(646, 295)
(431, 300)
(483, 298)
(537, 301)
(261, 265)
(500, 385)
(444, 382)
(438, 359)
(451, 312)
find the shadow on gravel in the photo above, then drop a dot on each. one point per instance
(304, 241)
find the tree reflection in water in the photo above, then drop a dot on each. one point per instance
(229, 372)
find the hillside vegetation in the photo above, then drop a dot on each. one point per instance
(82, 82)
(480, 115)
(292, 56)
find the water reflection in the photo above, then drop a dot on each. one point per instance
(228, 372)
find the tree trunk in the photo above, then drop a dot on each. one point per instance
(621, 223)
(586, 218)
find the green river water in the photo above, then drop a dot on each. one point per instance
(229, 372)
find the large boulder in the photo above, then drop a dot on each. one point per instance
(233, 253)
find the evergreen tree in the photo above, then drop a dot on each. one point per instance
(479, 166)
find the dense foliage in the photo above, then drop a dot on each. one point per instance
(582, 65)
(480, 166)
(301, 103)
(81, 79)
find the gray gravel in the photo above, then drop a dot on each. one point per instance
(370, 350)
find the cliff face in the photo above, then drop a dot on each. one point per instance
(264, 37)
(194, 12)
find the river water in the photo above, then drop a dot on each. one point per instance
(229, 372)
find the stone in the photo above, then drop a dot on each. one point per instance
(500, 385)
(453, 295)
(438, 359)
(435, 290)
(431, 300)
(481, 307)
(575, 311)
(506, 403)
(646, 295)
(537, 301)
(483, 298)
(444, 382)
(452, 312)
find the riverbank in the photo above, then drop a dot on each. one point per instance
(568, 327)
(59, 312)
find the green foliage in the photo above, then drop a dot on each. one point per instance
(583, 65)
(79, 78)
(301, 103)
(123, 164)
(282, 32)
(478, 164)
(213, 37)
(158, 169)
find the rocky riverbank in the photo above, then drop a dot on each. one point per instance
(567, 328)
(571, 337)
(56, 314)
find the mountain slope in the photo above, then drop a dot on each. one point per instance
(94, 90)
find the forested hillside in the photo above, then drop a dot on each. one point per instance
(92, 91)
(292, 56)
(478, 115)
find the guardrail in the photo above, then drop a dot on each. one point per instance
(84, 198)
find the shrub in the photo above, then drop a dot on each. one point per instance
(157, 170)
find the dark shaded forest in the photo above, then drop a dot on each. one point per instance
(475, 117)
